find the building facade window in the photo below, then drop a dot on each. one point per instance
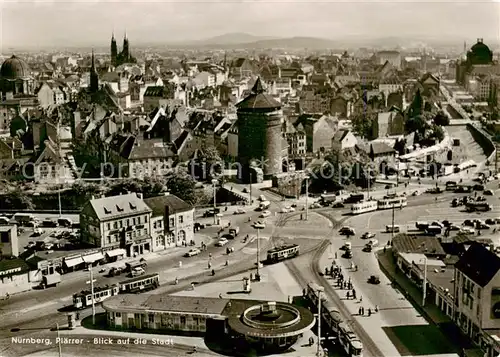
(181, 219)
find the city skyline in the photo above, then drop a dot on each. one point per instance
(91, 23)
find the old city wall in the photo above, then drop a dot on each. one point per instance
(484, 140)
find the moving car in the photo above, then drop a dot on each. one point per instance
(347, 231)
(265, 214)
(192, 252)
(30, 245)
(373, 242)
(488, 193)
(368, 235)
(239, 211)
(137, 272)
(374, 279)
(222, 242)
(259, 225)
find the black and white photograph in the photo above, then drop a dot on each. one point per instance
(249, 178)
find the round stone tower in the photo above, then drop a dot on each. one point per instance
(259, 132)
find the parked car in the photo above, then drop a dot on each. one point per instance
(315, 205)
(37, 231)
(367, 248)
(468, 223)
(338, 205)
(373, 242)
(49, 223)
(239, 210)
(374, 279)
(259, 225)
(30, 245)
(192, 252)
(488, 193)
(222, 242)
(265, 214)
(115, 271)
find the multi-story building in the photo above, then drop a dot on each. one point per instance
(117, 222)
(319, 131)
(9, 244)
(313, 103)
(172, 222)
(477, 297)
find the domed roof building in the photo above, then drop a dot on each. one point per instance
(15, 77)
(480, 54)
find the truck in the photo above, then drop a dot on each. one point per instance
(355, 198)
(234, 231)
(264, 205)
(50, 280)
(24, 218)
(130, 266)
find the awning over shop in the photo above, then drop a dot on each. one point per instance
(116, 252)
(93, 257)
(73, 262)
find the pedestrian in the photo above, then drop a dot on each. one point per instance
(213, 272)
(192, 286)
(347, 295)
(209, 265)
(384, 249)
(77, 316)
(369, 312)
(311, 341)
(335, 255)
(362, 310)
(220, 296)
(360, 299)
(227, 262)
(354, 294)
(176, 280)
(359, 311)
(326, 270)
(376, 308)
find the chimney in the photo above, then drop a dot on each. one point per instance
(139, 196)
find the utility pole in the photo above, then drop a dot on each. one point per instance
(368, 186)
(58, 341)
(91, 282)
(318, 350)
(307, 196)
(251, 178)
(257, 276)
(393, 213)
(59, 199)
(215, 203)
(424, 286)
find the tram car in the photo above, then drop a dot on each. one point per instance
(364, 207)
(392, 202)
(140, 284)
(349, 342)
(335, 326)
(283, 252)
(83, 299)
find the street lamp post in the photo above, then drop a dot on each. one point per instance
(214, 183)
(91, 282)
(393, 214)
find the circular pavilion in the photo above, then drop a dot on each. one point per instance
(272, 326)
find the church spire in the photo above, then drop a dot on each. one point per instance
(94, 77)
(257, 87)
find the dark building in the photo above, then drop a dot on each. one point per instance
(259, 132)
(124, 56)
(479, 55)
(16, 78)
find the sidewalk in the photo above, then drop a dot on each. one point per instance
(373, 324)
(431, 312)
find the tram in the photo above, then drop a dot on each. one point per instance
(335, 328)
(283, 252)
(140, 284)
(392, 202)
(364, 207)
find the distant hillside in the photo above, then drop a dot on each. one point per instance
(232, 38)
(287, 43)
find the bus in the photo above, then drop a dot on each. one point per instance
(392, 202)
(364, 207)
(478, 207)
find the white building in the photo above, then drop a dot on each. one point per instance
(117, 222)
(172, 222)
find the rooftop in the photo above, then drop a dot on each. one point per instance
(159, 203)
(479, 264)
(114, 206)
(165, 302)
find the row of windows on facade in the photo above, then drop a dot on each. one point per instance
(166, 319)
(127, 222)
(170, 238)
(115, 238)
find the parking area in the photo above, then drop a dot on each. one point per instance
(47, 237)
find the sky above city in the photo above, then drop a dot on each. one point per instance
(75, 23)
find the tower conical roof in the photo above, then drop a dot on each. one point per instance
(258, 99)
